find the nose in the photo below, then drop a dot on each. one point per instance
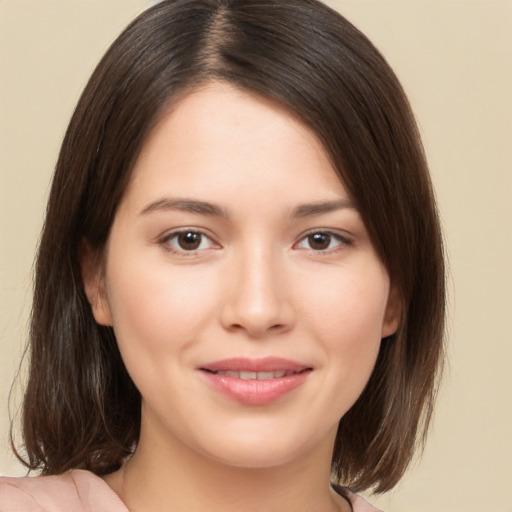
(258, 300)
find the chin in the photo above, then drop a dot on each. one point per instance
(256, 457)
(266, 449)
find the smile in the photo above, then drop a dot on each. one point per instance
(255, 381)
(255, 375)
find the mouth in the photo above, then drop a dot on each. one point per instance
(255, 381)
(248, 366)
(248, 375)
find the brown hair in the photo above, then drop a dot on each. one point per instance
(81, 408)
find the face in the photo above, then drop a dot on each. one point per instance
(244, 291)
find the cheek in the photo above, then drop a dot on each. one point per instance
(350, 306)
(347, 314)
(157, 309)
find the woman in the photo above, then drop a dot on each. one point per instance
(239, 290)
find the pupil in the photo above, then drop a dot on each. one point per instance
(189, 241)
(319, 241)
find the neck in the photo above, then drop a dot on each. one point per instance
(171, 476)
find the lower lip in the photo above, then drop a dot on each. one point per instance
(255, 392)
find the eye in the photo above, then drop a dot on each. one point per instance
(188, 240)
(322, 241)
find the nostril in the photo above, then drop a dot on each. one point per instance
(257, 331)
(276, 327)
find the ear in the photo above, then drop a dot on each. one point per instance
(393, 314)
(93, 277)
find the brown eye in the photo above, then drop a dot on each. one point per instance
(319, 241)
(189, 240)
(323, 241)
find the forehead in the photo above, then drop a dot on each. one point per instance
(222, 140)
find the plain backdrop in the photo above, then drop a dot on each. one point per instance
(455, 61)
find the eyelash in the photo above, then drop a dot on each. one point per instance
(342, 241)
(166, 241)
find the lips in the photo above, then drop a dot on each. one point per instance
(255, 381)
(244, 375)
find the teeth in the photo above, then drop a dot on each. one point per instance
(265, 375)
(255, 375)
(248, 375)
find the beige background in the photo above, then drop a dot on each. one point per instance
(455, 61)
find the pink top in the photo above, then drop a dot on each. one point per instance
(81, 491)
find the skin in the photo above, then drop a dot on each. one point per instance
(257, 285)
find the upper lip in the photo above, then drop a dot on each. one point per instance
(265, 364)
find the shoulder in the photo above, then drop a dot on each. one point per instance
(77, 491)
(358, 503)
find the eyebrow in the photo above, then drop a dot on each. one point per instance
(213, 210)
(185, 205)
(313, 209)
